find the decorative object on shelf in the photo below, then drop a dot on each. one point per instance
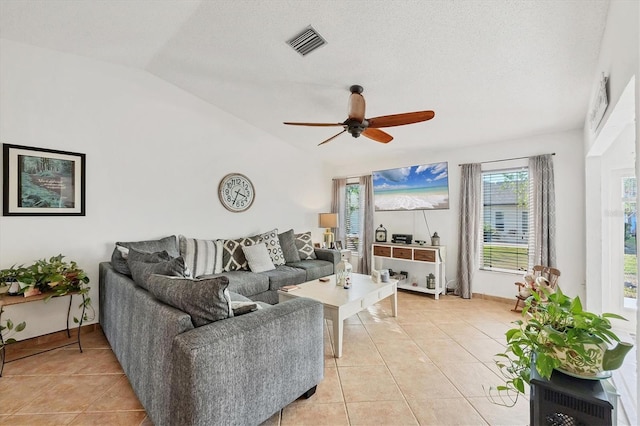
(328, 221)
(435, 239)
(236, 192)
(338, 245)
(381, 234)
(375, 276)
(43, 182)
(559, 335)
(401, 238)
(384, 275)
(344, 269)
(431, 281)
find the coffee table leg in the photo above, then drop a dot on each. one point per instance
(337, 335)
(394, 302)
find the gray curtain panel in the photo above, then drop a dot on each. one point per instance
(366, 219)
(543, 208)
(338, 205)
(470, 226)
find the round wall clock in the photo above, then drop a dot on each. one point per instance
(236, 192)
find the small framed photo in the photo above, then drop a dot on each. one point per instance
(338, 245)
(42, 182)
(317, 245)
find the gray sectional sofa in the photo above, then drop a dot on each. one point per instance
(236, 371)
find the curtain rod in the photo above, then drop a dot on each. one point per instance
(350, 177)
(506, 159)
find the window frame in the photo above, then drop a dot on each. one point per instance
(522, 231)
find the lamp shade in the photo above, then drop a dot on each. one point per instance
(328, 220)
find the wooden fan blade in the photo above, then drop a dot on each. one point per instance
(377, 135)
(356, 107)
(314, 124)
(332, 137)
(400, 119)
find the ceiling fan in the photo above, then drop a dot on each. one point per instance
(357, 124)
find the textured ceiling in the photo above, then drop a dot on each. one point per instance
(492, 70)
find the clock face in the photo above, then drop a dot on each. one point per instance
(236, 192)
(381, 236)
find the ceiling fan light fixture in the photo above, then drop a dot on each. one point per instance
(307, 41)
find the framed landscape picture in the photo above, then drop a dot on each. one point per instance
(42, 182)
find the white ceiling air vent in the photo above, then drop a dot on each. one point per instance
(307, 41)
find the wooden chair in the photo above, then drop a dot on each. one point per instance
(550, 274)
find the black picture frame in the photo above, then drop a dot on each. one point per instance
(42, 182)
(338, 245)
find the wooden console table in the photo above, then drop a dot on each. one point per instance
(6, 300)
(417, 254)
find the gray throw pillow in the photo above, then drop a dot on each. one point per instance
(141, 256)
(141, 271)
(119, 262)
(206, 299)
(258, 258)
(288, 245)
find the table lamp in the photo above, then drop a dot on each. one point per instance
(328, 221)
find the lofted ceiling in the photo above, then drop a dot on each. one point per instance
(492, 70)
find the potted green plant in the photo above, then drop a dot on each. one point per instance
(53, 276)
(556, 333)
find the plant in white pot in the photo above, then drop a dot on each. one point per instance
(556, 333)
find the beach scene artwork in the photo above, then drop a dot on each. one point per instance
(422, 187)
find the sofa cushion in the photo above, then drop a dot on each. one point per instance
(258, 257)
(272, 242)
(141, 271)
(119, 255)
(284, 275)
(247, 283)
(202, 257)
(205, 300)
(233, 258)
(288, 245)
(305, 246)
(314, 269)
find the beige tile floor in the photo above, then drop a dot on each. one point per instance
(427, 366)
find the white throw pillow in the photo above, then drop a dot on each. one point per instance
(258, 258)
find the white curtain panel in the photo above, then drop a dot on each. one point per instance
(542, 250)
(338, 205)
(366, 219)
(470, 226)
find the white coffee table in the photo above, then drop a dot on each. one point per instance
(340, 303)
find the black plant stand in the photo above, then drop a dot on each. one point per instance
(15, 300)
(564, 400)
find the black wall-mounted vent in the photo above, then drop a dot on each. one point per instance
(307, 41)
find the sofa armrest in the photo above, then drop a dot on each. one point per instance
(244, 369)
(329, 255)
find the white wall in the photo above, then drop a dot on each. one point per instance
(155, 156)
(569, 180)
(619, 61)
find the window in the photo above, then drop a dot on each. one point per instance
(505, 204)
(352, 216)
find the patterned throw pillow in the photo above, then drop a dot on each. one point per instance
(305, 246)
(273, 245)
(202, 257)
(233, 258)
